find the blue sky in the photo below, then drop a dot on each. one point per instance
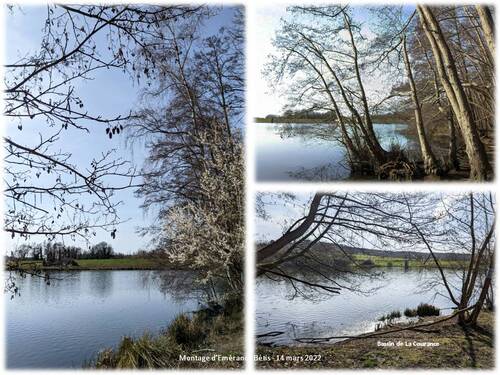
(110, 93)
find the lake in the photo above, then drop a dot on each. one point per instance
(350, 312)
(311, 152)
(66, 323)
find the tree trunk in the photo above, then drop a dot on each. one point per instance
(478, 159)
(291, 235)
(452, 147)
(482, 297)
(488, 26)
(352, 151)
(430, 163)
(378, 152)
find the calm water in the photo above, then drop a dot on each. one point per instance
(68, 322)
(349, 313)
(310, 152)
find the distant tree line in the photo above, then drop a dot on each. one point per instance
(305, 116)
(54, 252)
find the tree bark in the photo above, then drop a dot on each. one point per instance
(488, 26)
(353, 151)
(482, 297)
(291, 235)
(478, 159)
(452, 147)
(430, 162)
(378, 152)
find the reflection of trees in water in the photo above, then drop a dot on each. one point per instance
(326, 172)
(53, 288)
(309, 132)
(361, 282)
(180, 285)
(394, 137)
(313, 133)
(101, 283)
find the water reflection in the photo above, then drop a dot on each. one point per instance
(102, 284)
(353, 311)
(66, 323)
(312, 152)
(179, 285)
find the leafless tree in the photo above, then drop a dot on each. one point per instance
(43, 185)
(436, 62)
(453, 84)
(455, 224)
(47, 193)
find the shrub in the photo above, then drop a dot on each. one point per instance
(397, 151)
(425, 309)
(144, 352)
(342, 264)
(394, 314)
(185, 331)
(233, 305)
(219, 325)
(410, 313)
(367, 263)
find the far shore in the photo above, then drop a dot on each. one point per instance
(112, 264)
(393, 119)
(395, 261)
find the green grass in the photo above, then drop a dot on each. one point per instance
(101, 264)
(119, 263)
(383, 261)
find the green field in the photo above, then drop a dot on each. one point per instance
(382, 261)
(102, 264)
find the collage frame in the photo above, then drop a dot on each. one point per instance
(253, 186)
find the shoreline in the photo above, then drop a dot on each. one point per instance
(285, 120)
(112, 264)
(443, 345)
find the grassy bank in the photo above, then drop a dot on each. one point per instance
(98, 264)
(153, 264)
(453, 347)
(387, 261)
(203, 340)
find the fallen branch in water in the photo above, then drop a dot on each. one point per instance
(270, 334)
(314, 340)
